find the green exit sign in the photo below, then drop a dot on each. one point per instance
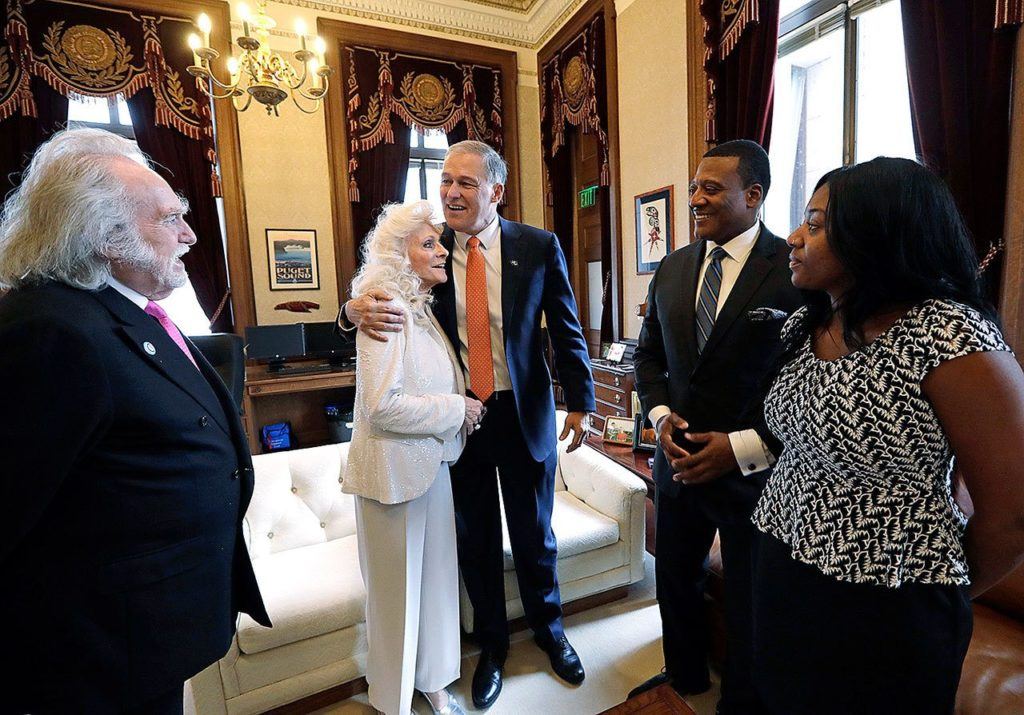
(588, 197)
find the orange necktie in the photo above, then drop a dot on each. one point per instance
(478, 323)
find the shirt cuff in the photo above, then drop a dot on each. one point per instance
(656, 413)
(751, 454)
(343, 322)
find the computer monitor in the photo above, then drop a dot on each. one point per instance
(322, 341)
(276, 343)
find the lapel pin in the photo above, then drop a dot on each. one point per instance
(514, 263)
(149, 348)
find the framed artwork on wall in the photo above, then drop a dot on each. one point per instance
(293, 260)
(655, 230)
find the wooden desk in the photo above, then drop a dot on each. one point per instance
(298, 399)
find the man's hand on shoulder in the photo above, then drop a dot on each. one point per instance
(374, 314)
(716, 459)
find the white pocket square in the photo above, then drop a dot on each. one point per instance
(763, 315)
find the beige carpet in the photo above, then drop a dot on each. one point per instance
(619, 643)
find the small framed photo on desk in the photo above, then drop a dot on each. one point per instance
(616, 351)
(644, 438)
(618, 430)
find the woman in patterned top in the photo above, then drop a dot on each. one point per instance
(893, 375)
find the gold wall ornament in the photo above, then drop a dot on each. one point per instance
(260, 73)
(429, 99)
(427, 90)
(574, 79)
(87, 58)
(89, 47)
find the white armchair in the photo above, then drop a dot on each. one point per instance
(300, 529)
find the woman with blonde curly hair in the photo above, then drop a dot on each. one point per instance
(411, 421)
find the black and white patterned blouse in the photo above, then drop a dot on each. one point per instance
(862, 489)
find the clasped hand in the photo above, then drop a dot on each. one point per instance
(475, 412)
(713, 460)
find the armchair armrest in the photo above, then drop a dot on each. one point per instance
(612, 490)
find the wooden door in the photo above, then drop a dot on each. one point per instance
(589, 267)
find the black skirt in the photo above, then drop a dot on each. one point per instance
(827, 647)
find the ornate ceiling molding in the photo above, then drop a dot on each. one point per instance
(519, 23)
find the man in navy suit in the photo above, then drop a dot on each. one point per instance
(126, 470)
(503, 277)
(715, 309)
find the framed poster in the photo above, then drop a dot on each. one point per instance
(293, 260)
(618, 430)
(654, 228)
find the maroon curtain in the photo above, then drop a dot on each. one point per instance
(741, 45)
(960, 73)
(182, 163)
(22, 135)
(381, 176)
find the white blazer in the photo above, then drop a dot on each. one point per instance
(409, 412)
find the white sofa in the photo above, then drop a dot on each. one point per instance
(301, 535)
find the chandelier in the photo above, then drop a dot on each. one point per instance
(259, 73)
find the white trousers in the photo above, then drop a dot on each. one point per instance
(409, 561)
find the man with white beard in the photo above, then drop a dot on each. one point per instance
(127, 471)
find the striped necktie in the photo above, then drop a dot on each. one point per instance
(707, 306)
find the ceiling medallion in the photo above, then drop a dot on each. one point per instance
(89, 47)
(574, 79)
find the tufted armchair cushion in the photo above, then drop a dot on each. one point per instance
(301, 534)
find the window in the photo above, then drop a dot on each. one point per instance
(426, 157)
(111, 114)
(841, 96)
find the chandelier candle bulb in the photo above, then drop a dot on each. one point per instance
(243, 13)
(321, 47)
(314, 69)
(205, 26)
(300, 29)
(194, 43)
(233, 69)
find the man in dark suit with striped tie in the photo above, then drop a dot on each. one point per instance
(714, 312)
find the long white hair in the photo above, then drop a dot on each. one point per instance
(386, 259)
(70, 212)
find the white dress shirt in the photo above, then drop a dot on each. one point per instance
(751, 453)
(133, 295)
(490, 246)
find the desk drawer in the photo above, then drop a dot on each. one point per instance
(613, 379)
(612, 397)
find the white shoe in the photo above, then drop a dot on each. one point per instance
(452, 707)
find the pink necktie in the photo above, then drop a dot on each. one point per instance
(172, 330)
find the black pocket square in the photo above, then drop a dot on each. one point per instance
(763, 315)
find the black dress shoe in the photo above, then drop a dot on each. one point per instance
(679, 686)
(487, 680)
(650, 684)
(564, 660)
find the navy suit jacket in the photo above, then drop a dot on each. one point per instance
(126, 477)
(534, 280)
(723, 387)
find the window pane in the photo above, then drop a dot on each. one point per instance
(123, 115)
(184, 309)
(412, 182)
(434, 188)
(807, 130)
(435, 139)
(883, 100)
(788, 6)
(89, 109)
